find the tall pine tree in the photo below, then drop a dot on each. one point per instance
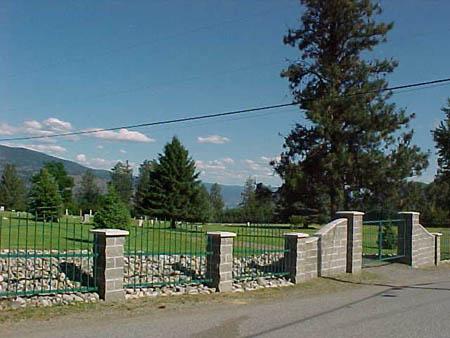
(174, 185)
(356, 147)
(122, 181)
(64, 181)
(441, 185)
(12, 189)
(216, 201)
(141, 198)
(89, 192)
(45, 200)
(441, 136)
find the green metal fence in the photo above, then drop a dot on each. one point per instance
(383, 240)
(445, 243)
(158, 255)
(44, 256)
(259, 252)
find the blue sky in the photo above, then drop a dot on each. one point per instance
(69, 65)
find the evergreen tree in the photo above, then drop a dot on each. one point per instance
(12, 189)
(141, 196)
(264, 203)
(174, 185)
(64, 181)
(248, 201)
(356, 147)
(441, 136)
(89, 192)
(216, 201)
(441, 185)
(122, 181)
(113, 213)
(45, 200)
(203, 209)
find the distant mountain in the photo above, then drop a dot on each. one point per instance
(28, 162)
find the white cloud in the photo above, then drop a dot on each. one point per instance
(96, 162)
(50, 148)
(6, 129)
(57, 125)
(252, 164)
(33, 124)
(122, 135)
(99, 146)
(122, 151)
(81, 158)
(209, 165)
(214, 139)
(228, 160)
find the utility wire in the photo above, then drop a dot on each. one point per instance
(215, 115)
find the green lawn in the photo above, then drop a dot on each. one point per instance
(69, 234)
(17, 233)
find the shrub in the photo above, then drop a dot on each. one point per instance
(113, 213)
(389, 240)
(297, 220)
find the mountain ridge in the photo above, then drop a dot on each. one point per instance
(28, 162)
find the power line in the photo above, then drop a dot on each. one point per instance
(216, 115)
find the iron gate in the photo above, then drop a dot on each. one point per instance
(383, 240)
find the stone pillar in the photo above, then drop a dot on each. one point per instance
(437, 247)
(300, 256)
(419, 246)
(354, 239)
(108, 263)
(405, 235)
(219, 260)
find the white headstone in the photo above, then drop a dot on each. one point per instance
(67, 212)
(141, 222)
(2, 208)
(86, 218)
(90, 212)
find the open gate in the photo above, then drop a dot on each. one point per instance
(383, 241)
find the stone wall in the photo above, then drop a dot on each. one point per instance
(419, 246)
(332, 248)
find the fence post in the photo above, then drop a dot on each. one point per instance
(109, 262)
(219, 260)
(354, 239)
(405, 235)
(300, 258)
(437, 247)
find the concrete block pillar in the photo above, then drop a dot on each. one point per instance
(437, 247)
(300, 256)
(405, 235)
(354, 239)
(109, 262)
(219, 261)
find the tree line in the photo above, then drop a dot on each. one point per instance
(355, 151)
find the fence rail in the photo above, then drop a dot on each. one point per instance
(158, 255)
(383, 240)
(45, 257)
(445, 244)
(259, 251)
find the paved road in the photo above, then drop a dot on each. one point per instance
(406, 304)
